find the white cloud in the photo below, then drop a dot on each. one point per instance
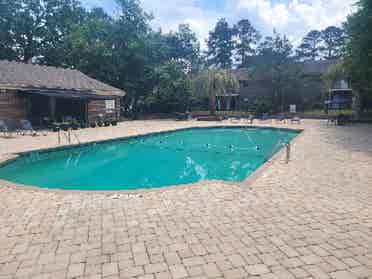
(292, 17)
(169, 14)
(296, 17)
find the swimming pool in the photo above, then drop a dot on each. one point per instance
(151, 161)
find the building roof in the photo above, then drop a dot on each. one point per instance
(242, 74)
(309, 68)
(29, 76)
(317, 67)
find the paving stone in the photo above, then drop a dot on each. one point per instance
(141, 259)
(110, 269)
(311, 259)
(178, 271)
(195, 271)
(132, 271)
(193, 261)
(75, 270)
(155, 268)
(211, 270)
(172, 258)
(234, 273)
(257, 269)
(343, 274)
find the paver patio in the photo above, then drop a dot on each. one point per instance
(311, 218)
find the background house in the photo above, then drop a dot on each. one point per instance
(307, 90)
(35, 92)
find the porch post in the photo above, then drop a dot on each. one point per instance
(52, 107)
(218, 103)
(228, 103)
(356, 105)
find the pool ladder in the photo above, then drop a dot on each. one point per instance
(67, 134)
(277, 145)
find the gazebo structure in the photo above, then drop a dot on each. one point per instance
(227, 101)
(37, 92)
(340, 97)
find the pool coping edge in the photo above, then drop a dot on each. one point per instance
(246, 182)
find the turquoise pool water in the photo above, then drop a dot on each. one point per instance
(172, 158)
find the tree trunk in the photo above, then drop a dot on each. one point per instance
(356, 101)
(212, 104)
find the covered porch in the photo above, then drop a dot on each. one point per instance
(227, 102)
(55, 106)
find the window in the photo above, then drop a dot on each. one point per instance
(110, 104)
(243, 83)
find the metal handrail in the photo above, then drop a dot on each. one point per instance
(76, 137)
(288, 150)
(67, 134)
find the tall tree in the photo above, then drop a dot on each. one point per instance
(358, 60)
(33, 29)
(275, 50)
(221, 45)
(211, 83)
(27, 27)
(172, 88)
(7, 25)
(247, 40)
(311, 46)
(275, 63)
(61, 17)
(334, 42)
(130, 32)
(88, 46)
(184, 46)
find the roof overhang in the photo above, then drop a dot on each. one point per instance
(342, 90)
(68, 94)
(30, 89)
(227, 95)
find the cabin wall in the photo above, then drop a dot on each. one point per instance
(97, 107)
(308, 91)
(12, 105)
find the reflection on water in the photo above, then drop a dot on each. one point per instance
(173, 158)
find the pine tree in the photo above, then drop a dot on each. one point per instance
(311, 46)
(220, 45)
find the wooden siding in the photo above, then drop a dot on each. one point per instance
(12, 106)
(97, 107)
(309, 90)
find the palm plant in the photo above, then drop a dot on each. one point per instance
(212, 83)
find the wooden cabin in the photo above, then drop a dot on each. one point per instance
(37, 92)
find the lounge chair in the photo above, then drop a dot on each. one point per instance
(343, 119)
(100, 120)
(26, 126)
(250, 119)
(235, 119)
(13, 126)
(280, 117)
(181, 116)
(332, 120)
(71, 122)
(296, 120)
(3, 128)
(265, 117)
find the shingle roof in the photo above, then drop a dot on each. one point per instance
(317, 67)
(309, 68)
(30, 76)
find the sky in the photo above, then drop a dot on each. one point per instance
(293, 18)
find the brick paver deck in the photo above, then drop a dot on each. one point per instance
(311, 218)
